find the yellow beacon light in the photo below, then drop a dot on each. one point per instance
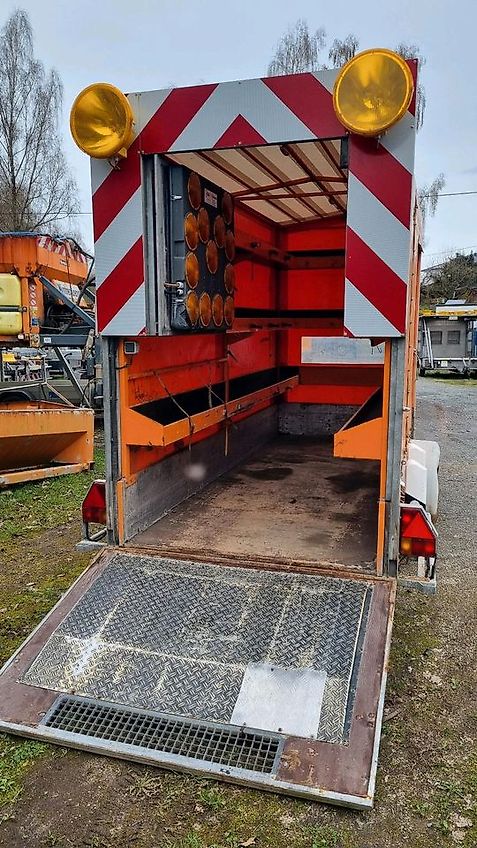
(101, 121)
(373, 91)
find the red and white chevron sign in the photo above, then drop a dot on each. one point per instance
(274, 110)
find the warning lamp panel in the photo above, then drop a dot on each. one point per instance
(201, 294)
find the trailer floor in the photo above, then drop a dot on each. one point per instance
(293, 500)
(263, 677)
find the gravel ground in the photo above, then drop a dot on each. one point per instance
(427, 778)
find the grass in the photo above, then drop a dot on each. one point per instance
(39, 523)
(15, 758)
(31, 508)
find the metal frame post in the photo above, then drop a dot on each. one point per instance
(394, 455)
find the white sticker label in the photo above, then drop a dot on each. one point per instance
(210, 197)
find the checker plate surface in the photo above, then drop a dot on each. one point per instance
(176, 637)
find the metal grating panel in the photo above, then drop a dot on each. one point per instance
(176, 637)
(227, 746)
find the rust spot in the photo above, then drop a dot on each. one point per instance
(291, 760)
(310, 778)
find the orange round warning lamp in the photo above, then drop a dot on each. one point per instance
(205, 309)
(227, 207)
(192, 272)
(102, 121)
(212, 257)
(204, 225)
(229, 278)
(229, 311)
(194, 190)
(373, 91)
(230, 246)
(217, 309)
(192, 307)
(219, 231)
(191, 231)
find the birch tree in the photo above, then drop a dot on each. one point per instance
(37, 191)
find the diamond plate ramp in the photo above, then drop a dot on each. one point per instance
(177, 637)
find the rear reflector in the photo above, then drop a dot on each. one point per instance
(94, 504)
(418, 536)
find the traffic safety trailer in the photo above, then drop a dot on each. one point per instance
(257, 261)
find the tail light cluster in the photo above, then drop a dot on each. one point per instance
(418, 536)
(202, 254)
(94, 504)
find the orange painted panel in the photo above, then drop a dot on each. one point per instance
(245, 220)
(312, 289)
(353, 395)
(256, 285)
(256, 352)
(330, 235)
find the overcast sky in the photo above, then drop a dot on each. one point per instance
(144, 45)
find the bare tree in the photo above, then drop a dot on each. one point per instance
(411, 51)
(341, 51)
(298, 50)
(429, 196)
(36, 189)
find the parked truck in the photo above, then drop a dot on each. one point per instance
(257, 259)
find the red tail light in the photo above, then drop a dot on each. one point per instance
(418, 536)
(94, 504)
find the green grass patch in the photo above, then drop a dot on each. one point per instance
(15, 758)
(452, 805)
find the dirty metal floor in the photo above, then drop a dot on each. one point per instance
(293, 500)
(207, 642)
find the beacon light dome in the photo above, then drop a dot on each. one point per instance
(102, 121)
(373, 91)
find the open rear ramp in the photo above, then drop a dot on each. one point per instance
(261, 676)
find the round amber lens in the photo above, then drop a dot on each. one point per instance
(227, 207)
(229, 311)
(205, 309)
(230, 246)
(229, 278)
(204, 225)
(212, 257)
(101, 121)
(217, 309)
(192, 270)
(373, 91)
(194, 190)
(192, 307)
(219, 231)
(191, 231)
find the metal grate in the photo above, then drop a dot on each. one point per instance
(175, 638)
(228, 746)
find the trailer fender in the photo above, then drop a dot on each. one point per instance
(421, 474)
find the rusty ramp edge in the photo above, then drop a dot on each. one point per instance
(261, 780)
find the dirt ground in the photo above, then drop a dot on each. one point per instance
(427, 779)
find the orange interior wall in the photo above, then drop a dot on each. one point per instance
(176, 364)
(256, 282)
